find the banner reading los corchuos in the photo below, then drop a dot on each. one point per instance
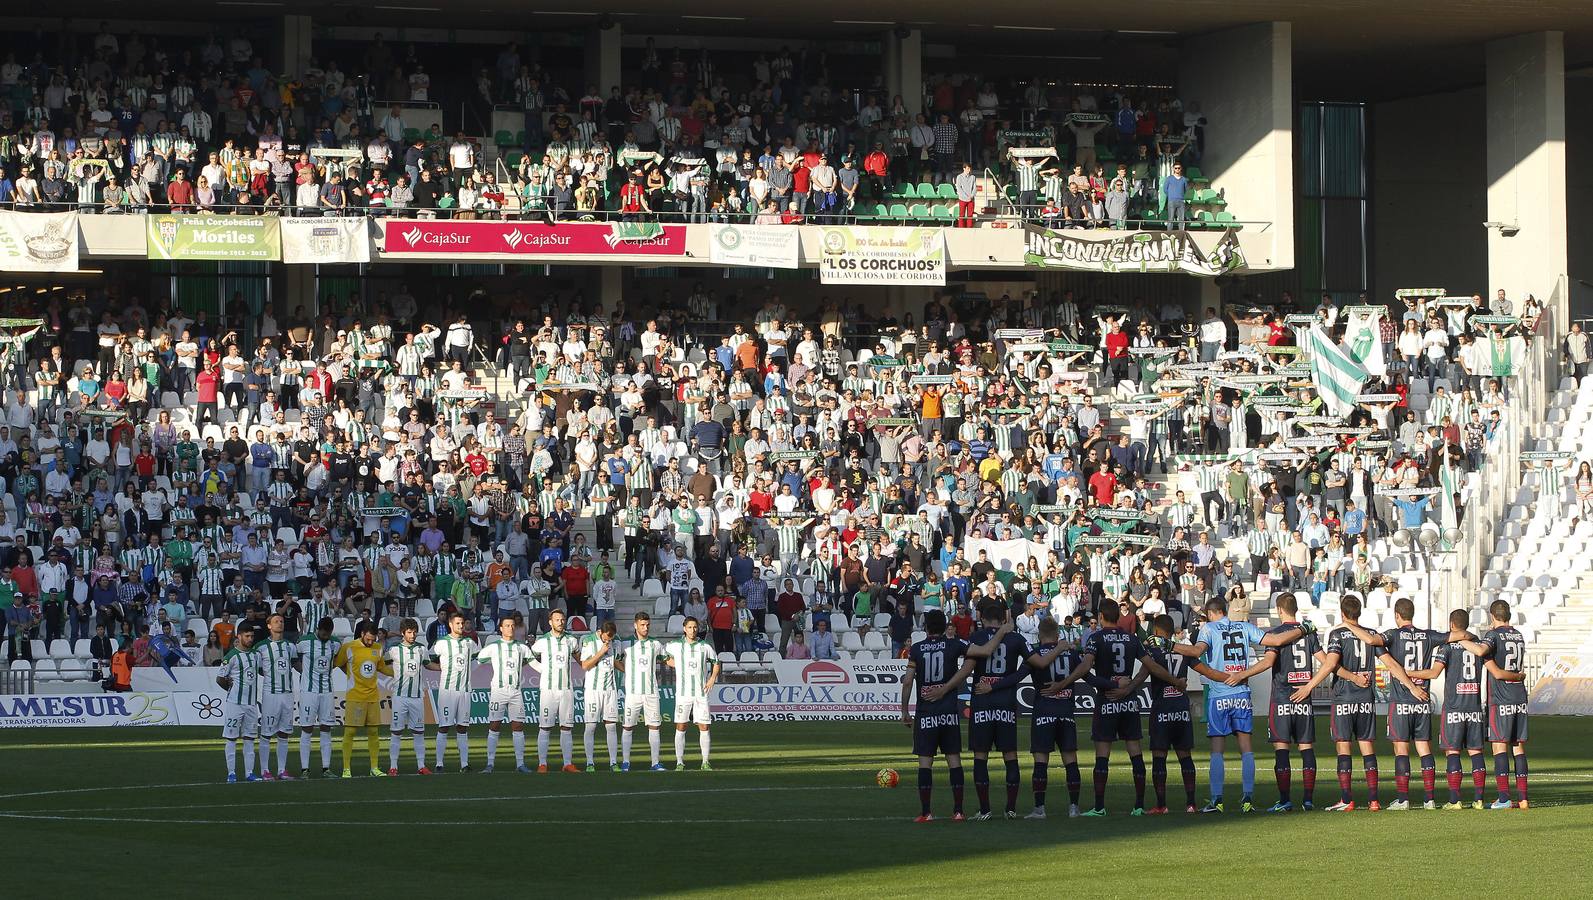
(225, 238)
(882, 255)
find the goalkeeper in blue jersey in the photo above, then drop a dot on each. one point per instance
(1226, 655)
(167, 651)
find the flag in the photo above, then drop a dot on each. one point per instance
(633, 231)
(1335, 374)
(1505, 355)
(1447, 514)
(1364, 342)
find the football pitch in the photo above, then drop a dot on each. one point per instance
(792, 809)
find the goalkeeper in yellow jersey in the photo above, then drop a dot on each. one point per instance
(362, 660)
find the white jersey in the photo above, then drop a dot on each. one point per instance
(454, 657)
(694, 665)
(243, 667)
(406, 661)
(317, 666)
(641, 667)
(602, 676)
(508, 660)
(276, 665)
(553, 654)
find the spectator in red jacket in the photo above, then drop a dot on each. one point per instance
(722, 619)
(207, 384)
(787, 607)
(577, 582)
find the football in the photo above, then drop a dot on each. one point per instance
(887, 778)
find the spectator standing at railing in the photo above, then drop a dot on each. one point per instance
(945, 148)
(1175, 189)
(967, 185)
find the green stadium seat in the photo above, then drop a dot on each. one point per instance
(898, 211)
(411, 135)
(880, 211)
(948, 191)
(1225, 217)
(512, 160)
(1193, 173)
(942, 213)
(504, 139)
(919, 211)
(927, 191)
(519, 139)
(906, 192)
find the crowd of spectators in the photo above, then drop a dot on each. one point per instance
(135, 122)
(776, 478)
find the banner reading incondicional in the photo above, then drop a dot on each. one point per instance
(1144, 251)
(870, 255)
(223, 238)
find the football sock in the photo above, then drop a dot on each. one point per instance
(954, 776)
(680, 746)
(1159, 779)
(612, 731)
(1099, 777)
(653, 740)
(1218, 773)
(1369, 765)
(394, 744)
(462, 742)
(519, 748)
(282, 754)
(326, 749)
(1453, 772)
(1501, 774)
(231, 748)
(625, 745)
(348, 747)
(373, 745)
(248, 757)
(1037, 782)
(926, 783)
(304, 750)
(419, 740)
(542, 747)
(588, 738)
(982, 783)
(1075, 782)
(567, 744)
(1401, 777)
(1429, 775)
(1013, 777)
(1479, 775)
(1137, 763)
(265, 755)
(1280, 771)
(1247, 772)
(1344, 777)
(492, 748)
(1308, 774)
(704, 742)
(1186, 765)
(442, 748)
(1521, 776)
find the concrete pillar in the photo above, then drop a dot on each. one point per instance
(1527, 248)
(1243, 80)
(608, 285)
(294, 55)
(904, 68)
(603, 58)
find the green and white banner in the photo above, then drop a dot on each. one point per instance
(1362, 338)
(225, 238)
(1144, 251)
(772, 246)
(880, 255)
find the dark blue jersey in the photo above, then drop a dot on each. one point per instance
(936, 660)
(1058, 703)
(1115, 652)
(1295, 663)
(1003, 669)
(1414, 649)
(1165, 696)
(1354, 656)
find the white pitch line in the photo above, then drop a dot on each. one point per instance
(479, 823)
(391, 800)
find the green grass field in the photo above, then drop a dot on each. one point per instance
(792, 809)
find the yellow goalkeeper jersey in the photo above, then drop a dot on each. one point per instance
(362, 664)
